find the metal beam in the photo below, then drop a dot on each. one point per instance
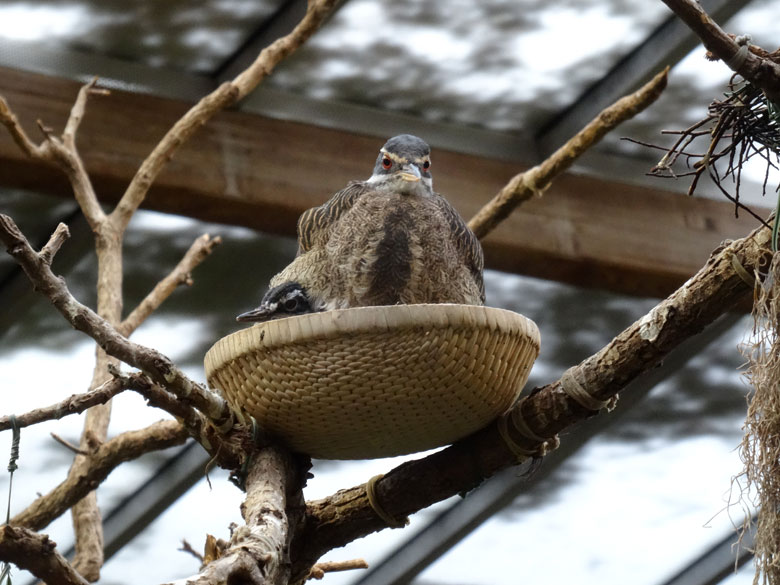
(279, 24)
(721, 560)
(410, 558)
(666, 45)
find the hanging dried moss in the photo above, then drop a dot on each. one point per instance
(760, 449)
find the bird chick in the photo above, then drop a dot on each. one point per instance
(285, 300)
(390, 239)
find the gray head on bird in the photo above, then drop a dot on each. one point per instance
(404, 166)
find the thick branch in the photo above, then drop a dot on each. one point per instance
(257, 553)
(347, 515)
(758, 70)
(100, 464)
(37, 554)
(534, 181)
(224, 96)
(229, 450)
(197, 253)
(159, 367)
(75, 404)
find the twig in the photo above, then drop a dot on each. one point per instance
(198, 251)
(229, 450)
(61, 233)
(159, 367)
(224, 96)
(341, 518)
(187, 548)
(68, 445)
(124, 447)
(75, 404)
(318, 571)
(534, 181)
(38, 554)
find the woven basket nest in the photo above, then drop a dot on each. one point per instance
(376, 381)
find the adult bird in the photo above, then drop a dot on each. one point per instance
(387, 240)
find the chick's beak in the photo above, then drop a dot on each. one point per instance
(261, 313)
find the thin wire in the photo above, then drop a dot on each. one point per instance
(5, 573)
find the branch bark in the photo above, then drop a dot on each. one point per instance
(536, 180)
(758, 70)
(75, 404)
(37, 554)
(99, 464)
(197, 253)
(159, 367)
(224, 96)
(258, 551)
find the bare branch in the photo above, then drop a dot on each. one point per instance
(11, 122)
(101, 463)
(68, 445)
(225, 95)
(257, 553)
(75, 404)
(318, 571)
(60, 152)
(536, 180)
(348, 514)
(37, 554)
(229, 450)
(198, 252)
(77, 112)
(55, 242)
(758, 70)
(159, 367)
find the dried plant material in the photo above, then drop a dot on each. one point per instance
(760, 449)
(736, 129)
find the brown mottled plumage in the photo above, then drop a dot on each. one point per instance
(388, 240)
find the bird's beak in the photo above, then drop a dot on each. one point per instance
(261, 313)
(410, 172)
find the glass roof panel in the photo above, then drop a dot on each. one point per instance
(496, 64)
(180, 34)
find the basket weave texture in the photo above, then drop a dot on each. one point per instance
(376, 381)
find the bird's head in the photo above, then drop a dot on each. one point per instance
(404, 166)
(285, 300)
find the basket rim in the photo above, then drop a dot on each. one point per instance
(358, 320)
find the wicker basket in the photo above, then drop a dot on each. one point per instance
(376, 381)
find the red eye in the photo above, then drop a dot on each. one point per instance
(386, 163)
(426, 165)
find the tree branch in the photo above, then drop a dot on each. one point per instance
(347, 515)
(197, 253)
(758, 70)
(257, 553)
(536, 180)
(159, 367)
(37, 554)
(224, 96)
(75, 404)
(99, 464)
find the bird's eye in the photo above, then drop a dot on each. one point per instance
(386, 163)
(290, 304)
(426, 165)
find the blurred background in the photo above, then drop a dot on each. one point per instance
(649, 494)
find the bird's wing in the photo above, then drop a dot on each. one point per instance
(315, 224)
(466, 242)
